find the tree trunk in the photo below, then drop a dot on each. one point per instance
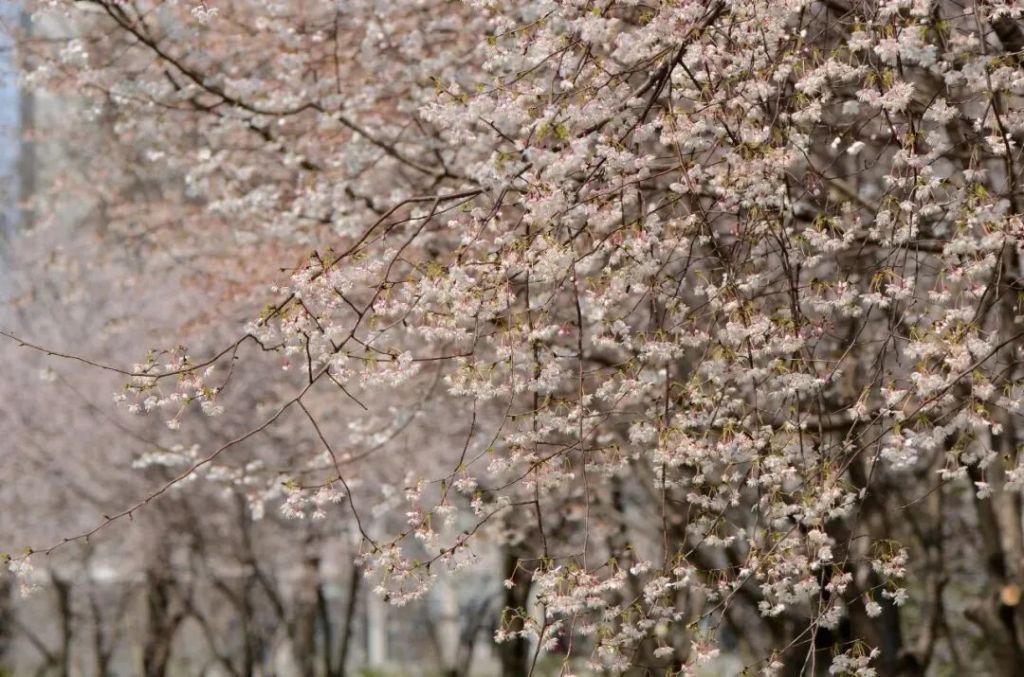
(514, 653)
(67, 623)
(304, 619)
(345, 638)
(161, 623)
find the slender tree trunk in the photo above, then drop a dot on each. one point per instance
(101, 644)
(345, 638)
(162, 622)
(304, 619)
(249, 633)
(323, 612)
(514, 654)
(6, 619)
(67, 623)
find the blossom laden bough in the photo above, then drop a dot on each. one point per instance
(707, 290)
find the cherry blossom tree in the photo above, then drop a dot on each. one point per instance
(705, 315)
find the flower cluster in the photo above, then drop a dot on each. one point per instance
(675, 302)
